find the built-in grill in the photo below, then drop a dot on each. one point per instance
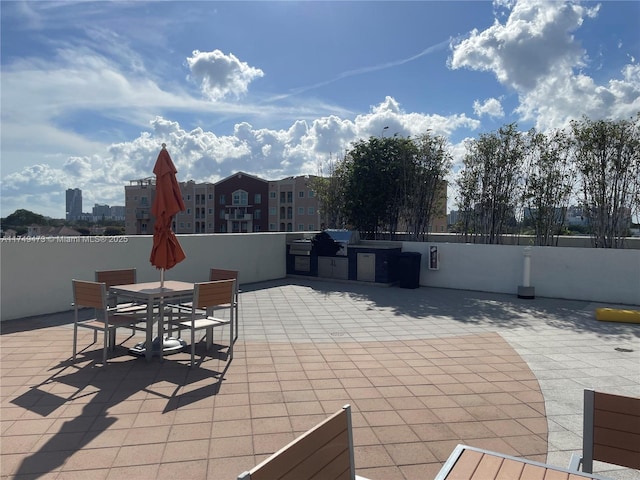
(344, 238)
(301, 247)
(301, 251)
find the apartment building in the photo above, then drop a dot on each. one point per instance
(293, 205)
(138, 197)
(73, 204)
(239, 203)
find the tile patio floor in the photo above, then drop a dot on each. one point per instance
(423, 369)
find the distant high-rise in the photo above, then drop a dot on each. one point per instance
(74, 203)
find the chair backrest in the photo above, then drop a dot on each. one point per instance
(221, 274)
(124, 276)
(611, 430)
(211, 294)
(89, 294)
(324, 452)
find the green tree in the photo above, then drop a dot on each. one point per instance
(425, 191)
(369, 175)
(549, 184)
(328, 190)
(607, 156)
(22, 218)
(490, 184)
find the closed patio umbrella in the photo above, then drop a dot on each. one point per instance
(166, 251)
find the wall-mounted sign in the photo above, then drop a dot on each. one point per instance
(434, 259)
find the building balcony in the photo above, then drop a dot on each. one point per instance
(238, 217)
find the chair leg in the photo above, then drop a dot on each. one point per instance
(235, 337)
(193, 346)
(209, 337)
(231, 338)
(104, 347)
(112, 339)
(75, 339)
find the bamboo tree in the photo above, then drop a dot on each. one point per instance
(607, 155)
(549, 184)
(490, 183)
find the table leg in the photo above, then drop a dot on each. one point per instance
(148, 352)
(161, 330)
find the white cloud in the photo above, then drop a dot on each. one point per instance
(559, 99)
(535, 53)
(220, 75)
(490, 106)
(202, 155)
(536, 41)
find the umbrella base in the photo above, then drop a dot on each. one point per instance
(170, 345)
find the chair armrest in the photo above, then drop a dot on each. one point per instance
(179, 307)
(576, 461)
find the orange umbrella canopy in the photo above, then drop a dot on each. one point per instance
(166, 251)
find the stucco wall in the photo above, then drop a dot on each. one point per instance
(591, 274)
(35, 278)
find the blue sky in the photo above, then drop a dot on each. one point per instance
(90, 90)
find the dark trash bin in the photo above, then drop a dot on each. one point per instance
(409, 269)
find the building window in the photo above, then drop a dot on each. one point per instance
(257, 199)
(289, 197)
(211, 211)
(211, 196)
(272, 195)
(301, 227)
(221, 216)
(223, 200)
(311, 194)
(257, 214)
(312, 227)
(240, 197)
(273, 227)
(188, 197)
(273, 211)
(311, 211)
(301, 194)
(283, 197)
(300, 210)
(144, 201)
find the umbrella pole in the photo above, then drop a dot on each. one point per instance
(161, 321)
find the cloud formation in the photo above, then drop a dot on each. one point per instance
(220, 75)
(535, 53)
(204, 156)
(491, 107)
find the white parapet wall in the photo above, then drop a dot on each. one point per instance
(590, 274)
(36, 274)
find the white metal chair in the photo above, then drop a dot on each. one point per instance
(206, 297)
(324, 452)
(611, 431)
(94, 295)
